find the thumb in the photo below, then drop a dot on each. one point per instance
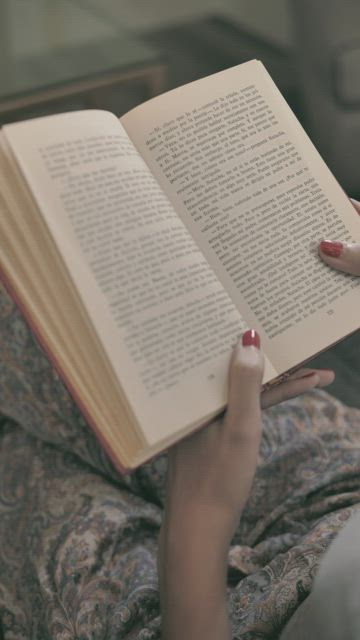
(341, 256)
(245, 379)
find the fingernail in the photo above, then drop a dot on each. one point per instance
(251, 338)
(355, 202)
(333, 249)
(316, 373)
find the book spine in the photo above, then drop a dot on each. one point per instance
(11, 289)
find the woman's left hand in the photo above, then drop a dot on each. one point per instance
(208, 482)
(210, 472)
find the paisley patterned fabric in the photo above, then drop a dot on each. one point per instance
(78, 541)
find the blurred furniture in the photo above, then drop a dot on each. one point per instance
(54, 53)
(327, 50)
(238, 44)
(215, 42)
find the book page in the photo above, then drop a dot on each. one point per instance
(257, 198)
(165, 321)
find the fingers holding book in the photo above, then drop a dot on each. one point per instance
(296, 384)
(341, 255)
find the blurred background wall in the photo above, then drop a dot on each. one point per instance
(264, 17)
(117, 53)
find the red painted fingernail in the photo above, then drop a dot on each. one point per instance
(251, 338)
(333, 249)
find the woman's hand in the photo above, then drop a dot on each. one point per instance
(210, 473)
(208, 483)
(342, 256)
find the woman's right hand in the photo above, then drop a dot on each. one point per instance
(340, 255)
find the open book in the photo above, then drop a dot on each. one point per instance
(139, 250)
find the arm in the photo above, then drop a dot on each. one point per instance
(209, 479)
(192, 573)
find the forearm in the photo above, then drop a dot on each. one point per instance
(208, 483)
(192, 574)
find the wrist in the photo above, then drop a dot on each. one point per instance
(192, 568)
(191, 546)
(189, 536)
(189, 553)
(198, 523)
